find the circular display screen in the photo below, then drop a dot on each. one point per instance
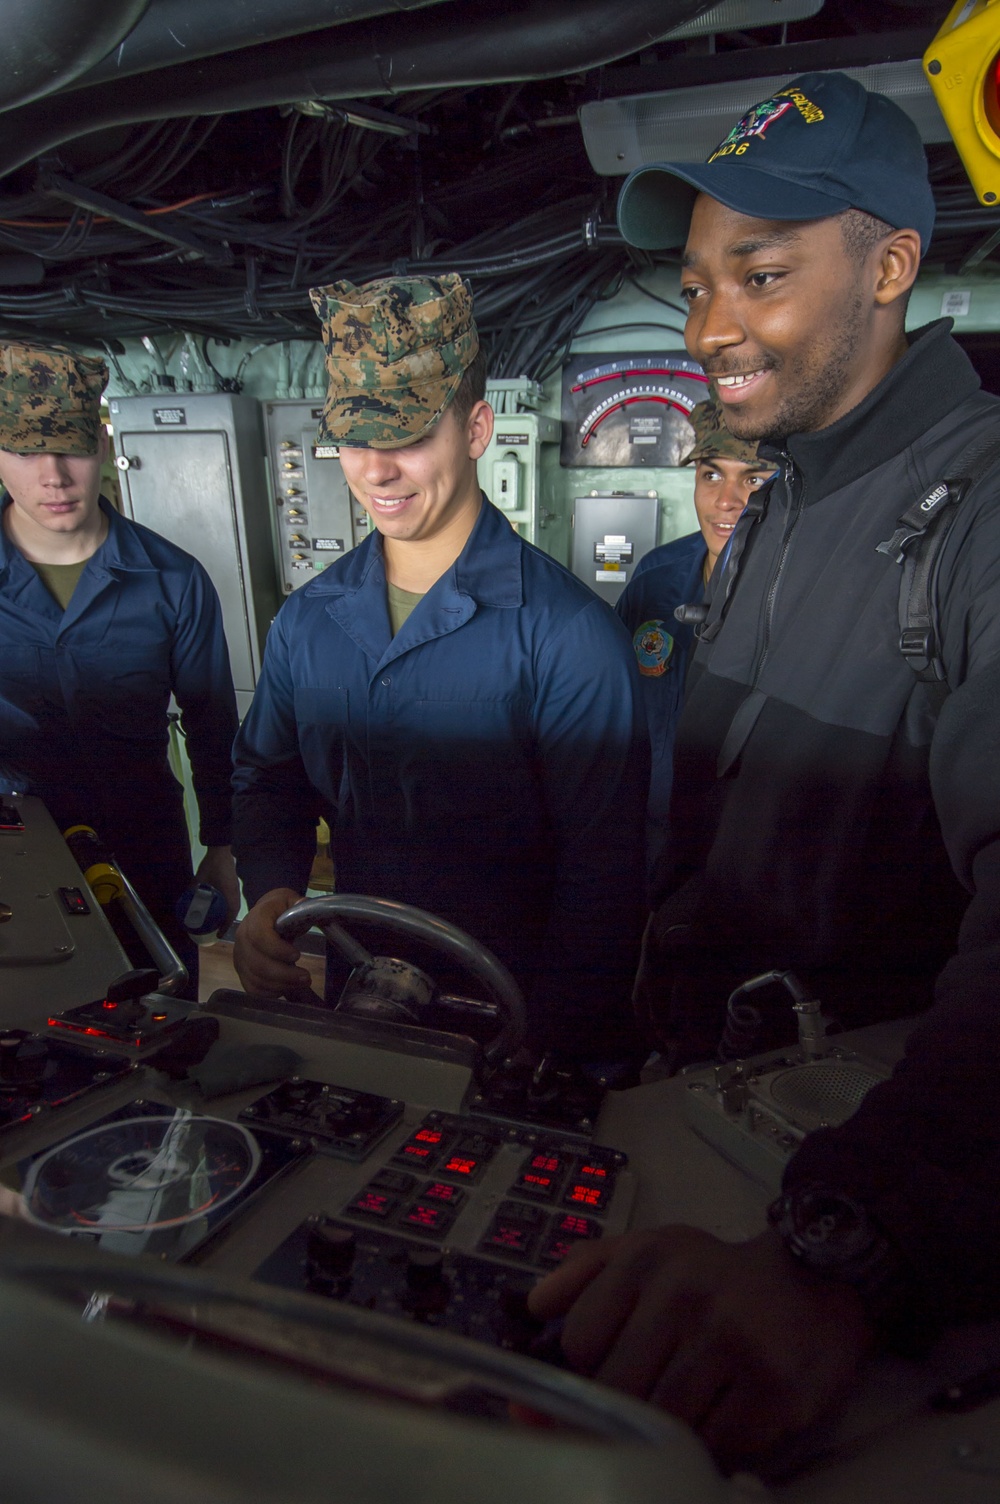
(141, 1174)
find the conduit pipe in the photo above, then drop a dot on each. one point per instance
(181, 31)
(458, 44)
(47, 46)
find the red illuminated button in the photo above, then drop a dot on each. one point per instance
(595, 1174)
(508, 1237)
(534, 1183)
(417, 1154)
(570, 1226)
(556, 1249)
(593, 1197)
(546, 1164)
(373, 1204)
(439, 1191)
(460, 1164)
(423, 1148)
(430, 1218)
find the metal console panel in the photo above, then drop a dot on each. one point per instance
(55, 943)
(756, 1112)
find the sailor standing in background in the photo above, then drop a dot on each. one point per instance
(101, 621)
(727, 473)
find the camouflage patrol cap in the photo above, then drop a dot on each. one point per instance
(712, 439)
(50, 400)
(396, 352)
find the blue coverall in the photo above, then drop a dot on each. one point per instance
(488, 763)
(84, 695)
(666, 577)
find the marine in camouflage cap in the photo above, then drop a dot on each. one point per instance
(50, 400)
(396, 352)
(712, 439)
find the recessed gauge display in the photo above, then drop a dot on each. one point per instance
(152, 1178)
(629, 411)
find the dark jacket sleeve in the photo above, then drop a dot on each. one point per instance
(202, 684)
(923, 1151)
(594, 758)
(275, 808)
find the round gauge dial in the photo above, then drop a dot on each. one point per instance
(141, 1174)
(629, 410)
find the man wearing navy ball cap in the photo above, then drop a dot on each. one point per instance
(835, 808)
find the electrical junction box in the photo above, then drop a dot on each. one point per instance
(316, 518)
(508, 471)
(611, 532)
(190, 466)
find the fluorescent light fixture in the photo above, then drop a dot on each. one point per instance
(744, 15)
(685, 125)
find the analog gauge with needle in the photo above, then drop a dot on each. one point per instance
(629, 410)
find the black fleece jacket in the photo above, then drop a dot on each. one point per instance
(835, 816)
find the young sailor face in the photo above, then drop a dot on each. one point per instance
(721, 490)
(55, 492)
(781, 317)
(420, 491)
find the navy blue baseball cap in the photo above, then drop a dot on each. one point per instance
(816, 147)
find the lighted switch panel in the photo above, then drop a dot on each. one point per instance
(508, 471)
(506, 489)
(316, 519)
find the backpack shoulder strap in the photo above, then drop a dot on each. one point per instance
(917, 545)
(724, 575)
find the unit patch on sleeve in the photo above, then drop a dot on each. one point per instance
(654, 648)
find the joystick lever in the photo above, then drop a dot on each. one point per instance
(127, 989)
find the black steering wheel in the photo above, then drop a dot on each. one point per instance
(323, 914)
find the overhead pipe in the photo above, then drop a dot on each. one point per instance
(181, 31)
(48, 46)
(452, 45)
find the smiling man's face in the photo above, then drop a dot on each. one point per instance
(782, 319)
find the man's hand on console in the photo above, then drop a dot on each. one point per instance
(733, 1338)
(264, 962)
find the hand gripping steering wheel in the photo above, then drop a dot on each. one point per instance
(402, 918)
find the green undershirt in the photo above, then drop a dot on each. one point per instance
(60, 579)
(401, 603)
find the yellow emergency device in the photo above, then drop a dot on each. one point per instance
(103, 878)
(963, 67)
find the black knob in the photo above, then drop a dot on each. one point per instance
(330, 1251)
(424, 1268)
(11, 1041)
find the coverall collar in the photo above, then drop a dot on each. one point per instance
(122, 548)
(122, 551)
(486, 573)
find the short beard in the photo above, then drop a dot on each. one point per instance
(817, 391)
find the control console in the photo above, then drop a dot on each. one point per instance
(456, 1225)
